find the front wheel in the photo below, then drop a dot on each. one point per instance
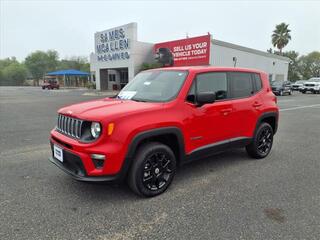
(261, 143)
(281, 93)
(152, 170)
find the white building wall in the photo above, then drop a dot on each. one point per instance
(223, 56)
(142, 53)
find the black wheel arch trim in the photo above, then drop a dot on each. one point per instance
(137, 139)
(267, 115)
(154, 133)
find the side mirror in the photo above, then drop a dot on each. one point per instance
(205, 97)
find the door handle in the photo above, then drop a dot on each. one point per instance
(226, 111)
(257, 104)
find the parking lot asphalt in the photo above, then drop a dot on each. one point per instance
(228, 196)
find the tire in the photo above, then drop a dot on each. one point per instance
(290, 92)
(43, 88)
(262, 142)
(149, 175)
(281, 93)
(304, 92)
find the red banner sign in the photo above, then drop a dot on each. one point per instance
(187, 52)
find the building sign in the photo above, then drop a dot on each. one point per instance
(112, 45)
(185, 52)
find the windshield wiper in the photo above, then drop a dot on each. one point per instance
(138, 100)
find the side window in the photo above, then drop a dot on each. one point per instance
(241, 84)
(213, 82)
(257, 81)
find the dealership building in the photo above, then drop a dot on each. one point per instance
(119, 56)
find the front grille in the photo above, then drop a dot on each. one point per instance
(69, 126)
(309, 85)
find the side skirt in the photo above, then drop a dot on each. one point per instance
(212, 149)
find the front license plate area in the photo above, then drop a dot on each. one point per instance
(58, 153)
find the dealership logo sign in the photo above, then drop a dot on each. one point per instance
(112, 45)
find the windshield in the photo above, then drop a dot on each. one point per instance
(154, 86)
(276, 83)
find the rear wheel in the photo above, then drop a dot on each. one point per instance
(153, 169)
(261, 143)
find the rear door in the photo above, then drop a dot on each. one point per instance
(247, 103)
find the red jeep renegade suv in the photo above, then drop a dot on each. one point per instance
(162, 119)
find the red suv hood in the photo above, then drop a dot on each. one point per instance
(99, 109)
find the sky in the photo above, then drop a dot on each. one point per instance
(69, 26)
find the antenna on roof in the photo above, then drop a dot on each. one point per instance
(187, 35)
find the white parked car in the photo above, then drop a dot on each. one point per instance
(297, 86)
(312, 85)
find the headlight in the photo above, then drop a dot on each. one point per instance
(95, 129)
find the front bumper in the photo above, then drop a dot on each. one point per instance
(72, 165)
(81, 177)
(77, 161)
(276, 91)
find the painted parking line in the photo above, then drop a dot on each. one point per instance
(300, 107)
(286, 100)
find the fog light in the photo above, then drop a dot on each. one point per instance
(98, 160)
(98, 156)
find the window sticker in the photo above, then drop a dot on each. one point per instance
(126, 94)
(147, 83)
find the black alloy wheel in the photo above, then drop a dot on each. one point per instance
(153, 169)
(157, 171)
(265, 140)
(262, 141)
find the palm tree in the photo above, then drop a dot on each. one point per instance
(281, 36)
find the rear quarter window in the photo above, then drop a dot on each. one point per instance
(257, 82)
